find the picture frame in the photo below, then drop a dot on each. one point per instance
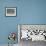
(10, 11)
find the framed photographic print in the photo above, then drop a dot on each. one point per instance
(10, 11)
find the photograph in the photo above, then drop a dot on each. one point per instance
(10, 11)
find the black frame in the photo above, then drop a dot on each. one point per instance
(9, 8)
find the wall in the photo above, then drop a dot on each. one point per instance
(28, 12)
